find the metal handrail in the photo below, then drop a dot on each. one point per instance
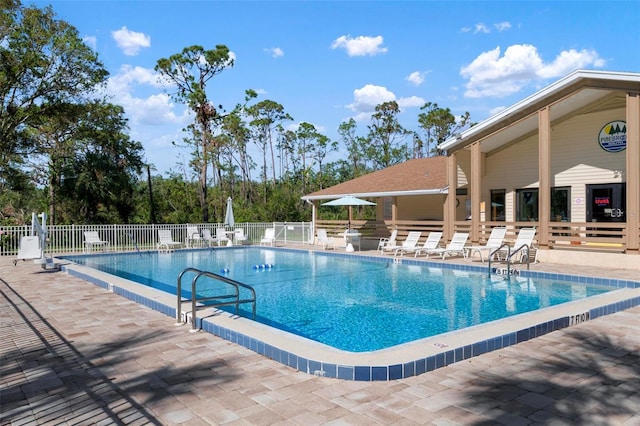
(236, 296)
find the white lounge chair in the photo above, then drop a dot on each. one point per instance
(166, 240)
(455, 246)
(409, 243)
(92, 239)
(522, 245)
(239, 236)
(432, 242)
(324, 240)
(269, 237)
(193, 236)
(386, 242)
(208, 238)
(493, 243)
(221, 236)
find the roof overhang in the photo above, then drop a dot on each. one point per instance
(378, 194)
(565, 96)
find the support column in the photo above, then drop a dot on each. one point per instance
(450, 204)
(633, 172)
(544, 176)
(476, 172)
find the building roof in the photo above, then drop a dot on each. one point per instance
(420, 176)
(578, 92)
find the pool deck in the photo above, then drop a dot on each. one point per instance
(74, 353)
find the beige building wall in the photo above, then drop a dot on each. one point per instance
(421, 207)
(576, 160)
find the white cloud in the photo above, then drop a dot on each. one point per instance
(368, 97)
(153, 109)
(91, 41)
(360, 46)
(502, 26)
(493, 75)
(130, 41)
(410, 102)
(481, 28)
(276, 52)
(494, 111)
(416, 77)
(570, 60)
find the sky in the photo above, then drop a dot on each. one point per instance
(326, 62)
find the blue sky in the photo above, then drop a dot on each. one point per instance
(326, 62)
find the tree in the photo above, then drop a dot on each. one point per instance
(386, 137)
(43, 64)
(356, 148)
(439, 124)
(190, 71)
(100, 178)
(267, 116)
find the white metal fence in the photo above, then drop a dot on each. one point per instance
(70, 238)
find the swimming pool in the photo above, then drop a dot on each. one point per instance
(352, 303)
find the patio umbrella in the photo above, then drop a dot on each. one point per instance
(349, 200)
(228, 218)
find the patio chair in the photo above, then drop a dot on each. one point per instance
(208, 238)
(166, 240)
(324, 240)
(522, 245)
(410, 242)
(432, 241)
(493, 243)
(221, 236)
(269, 237)
(455, 246)
(193, 236)
(239, 236)
(92, 239)
(386, 242)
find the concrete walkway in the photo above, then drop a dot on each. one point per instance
(72, 353)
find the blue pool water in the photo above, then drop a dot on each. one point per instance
(351, 304)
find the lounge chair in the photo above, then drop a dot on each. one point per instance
(455, 246)
(493, 243)
(522, 245)
(92, 239)
(193, 236)
(324, 240)
(239, 236)
(432, 242)
(269, 237)
(386, 242)
(166, 240)
(208, 238)
(221, 236)
(409, 243)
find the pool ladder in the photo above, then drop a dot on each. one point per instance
(221, 300)
(510, 255)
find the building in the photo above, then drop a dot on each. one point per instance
(565, 159)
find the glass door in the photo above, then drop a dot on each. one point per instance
(606, 202)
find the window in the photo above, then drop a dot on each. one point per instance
(497, 205)
(527, 204)
(560, 204)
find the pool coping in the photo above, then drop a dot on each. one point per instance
(402, 361)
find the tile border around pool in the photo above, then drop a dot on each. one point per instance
(392, 371)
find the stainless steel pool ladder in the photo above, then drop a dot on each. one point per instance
(235, 297)
(510, 255)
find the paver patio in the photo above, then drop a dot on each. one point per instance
(72, 353)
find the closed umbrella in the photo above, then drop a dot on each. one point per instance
(228, 218)
(349, 200)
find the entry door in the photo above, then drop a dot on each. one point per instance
(606, 202)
